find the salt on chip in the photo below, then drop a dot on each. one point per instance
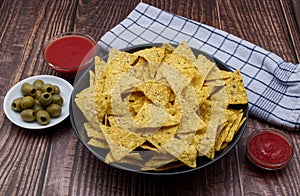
(120, 141)
(93, 132)
(235, 90)
(99, 143)
(116, 68)
(157, 92)
(183, 150)
(235, 126)
(149, 116)
(99, 67)
(85, 102)
(168, 48)
(162, 136)
(92, 78)
(182, 64)
(224, 132)
(136, 101)
(159, 159)
(204, 65)
(185, 50)
(133, 159)
(153, 56)
(113, 53)
(189, 156)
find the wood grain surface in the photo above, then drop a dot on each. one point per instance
(54, 162)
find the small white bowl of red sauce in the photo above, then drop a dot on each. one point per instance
(269, 149)
(68, 52)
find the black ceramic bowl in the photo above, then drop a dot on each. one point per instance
(77, 120)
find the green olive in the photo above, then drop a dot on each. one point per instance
(54, 110)
(27, 102)
(38, 94)
(45, 99)
(42, 117)
(56, 89)
(28, 89)
(57, 99)
(16, 104)
(48, 88)
(38, 84)
(28, 115)
(37, 105)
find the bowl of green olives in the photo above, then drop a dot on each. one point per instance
(38, 102)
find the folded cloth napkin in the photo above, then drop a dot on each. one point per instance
(273, 85)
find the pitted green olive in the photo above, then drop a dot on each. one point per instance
(57, 99)
(38, 84)
(38, 94)
(27, 102)
(54, 110)
(56, 89)
(48, 88)
(42, 117)
(28, 89)
(28, 115)
(45, 99)
(37, 105)
(16, 104)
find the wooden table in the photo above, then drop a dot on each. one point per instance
(54, 162)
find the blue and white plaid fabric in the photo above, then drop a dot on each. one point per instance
(273, 85)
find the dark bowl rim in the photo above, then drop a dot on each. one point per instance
(219, 154)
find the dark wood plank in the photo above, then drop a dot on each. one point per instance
(292, 15)
(296, 8)
(262, 23)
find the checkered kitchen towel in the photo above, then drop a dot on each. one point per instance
(273, 85)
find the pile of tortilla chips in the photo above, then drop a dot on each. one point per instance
(161, 107)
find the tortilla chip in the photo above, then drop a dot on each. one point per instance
(156, 92)
(235, 90)
(93, 132)
(188, 157)
(121, 142)
(185, 50)
(162, 136)
(153, 56)
(99, 143)
(235, 125)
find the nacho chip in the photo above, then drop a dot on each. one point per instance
(157, 92)
(99, 143)
(235, 90)
(93, 132)
(121, 142)
(183, 49)
(188, 157)
(99, 67)
(149, 116)
(162, 136)
(113, 53)
(235, 125)
(153, 57)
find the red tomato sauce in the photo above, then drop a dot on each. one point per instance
(269, 150)
(69, 52)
